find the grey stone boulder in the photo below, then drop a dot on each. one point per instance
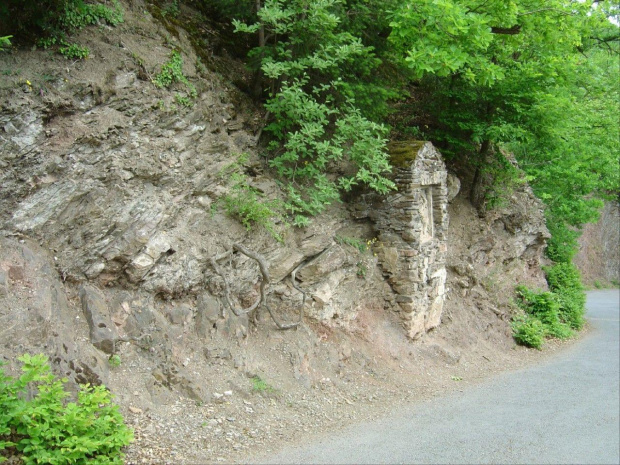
(103, 334)
(207, 314)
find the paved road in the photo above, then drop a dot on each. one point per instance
(565, 410)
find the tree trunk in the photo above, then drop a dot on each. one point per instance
(257, 79)
(477, 191)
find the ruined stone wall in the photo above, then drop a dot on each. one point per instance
(412, 225)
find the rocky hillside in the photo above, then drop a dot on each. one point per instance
(112, 216)
(599, 249)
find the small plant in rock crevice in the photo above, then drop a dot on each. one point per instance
(260, 385)
(246, 203)
(115, 361)
(172, 72)
(362, 246)
(74, 51)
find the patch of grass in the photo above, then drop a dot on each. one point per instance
(359, 244)
(247, 204)
(260, 385)
(183, 101)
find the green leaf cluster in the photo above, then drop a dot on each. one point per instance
(564, 280)
(537, 79)
(554, 313)
(48, 429)
(474, 77)
(5, 42)
(172, 72)
(314, 70)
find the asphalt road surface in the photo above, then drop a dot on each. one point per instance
(565, 410)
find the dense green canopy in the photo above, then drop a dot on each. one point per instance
(536, 78)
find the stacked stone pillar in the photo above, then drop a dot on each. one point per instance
(412, 225)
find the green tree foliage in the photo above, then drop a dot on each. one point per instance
(539, 79)
(315, 71)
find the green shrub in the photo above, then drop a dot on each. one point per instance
(47, 429)
(544, 307)
(528, 331)
(54, 19)
(564, 280)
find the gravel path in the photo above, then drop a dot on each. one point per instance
(564, 410)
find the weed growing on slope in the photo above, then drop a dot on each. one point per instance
(171, 73)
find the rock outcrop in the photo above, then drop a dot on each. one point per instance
(110, 212)
(412, 229)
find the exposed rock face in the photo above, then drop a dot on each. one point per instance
(413, 227)
(109, 218)
(598, 258)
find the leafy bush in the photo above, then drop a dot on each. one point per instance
(528, 331)
(47, 429)
(313, 70)
(565, 281)
(54, 19)
(544, 306)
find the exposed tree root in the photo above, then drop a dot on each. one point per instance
(262, 300)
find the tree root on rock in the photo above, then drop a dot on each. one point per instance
(262, 300)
